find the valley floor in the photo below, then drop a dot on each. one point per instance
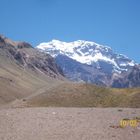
(48, 123)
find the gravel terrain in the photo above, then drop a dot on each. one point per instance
(67, 124)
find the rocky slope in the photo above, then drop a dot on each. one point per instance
(24, 70)
(28, 57)
(130, 78)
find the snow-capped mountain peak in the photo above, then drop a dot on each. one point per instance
(79, 50)
(88, 52)
(64, 46)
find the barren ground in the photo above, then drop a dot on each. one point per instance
(67, 124)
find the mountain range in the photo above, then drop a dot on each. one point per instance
(86, 61)
(30, 77)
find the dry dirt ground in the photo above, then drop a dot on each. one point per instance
(67, 124)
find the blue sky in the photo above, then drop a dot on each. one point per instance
(115, 23)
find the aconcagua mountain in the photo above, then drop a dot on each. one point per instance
(90, 62)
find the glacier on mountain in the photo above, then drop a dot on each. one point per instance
(88, 52)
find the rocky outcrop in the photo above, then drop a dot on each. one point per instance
(30, 58)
